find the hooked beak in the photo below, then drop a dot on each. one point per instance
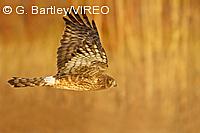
(114, 84)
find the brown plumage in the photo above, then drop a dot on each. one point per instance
(24, 82)
(81, 59)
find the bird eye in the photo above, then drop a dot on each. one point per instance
(109, 81)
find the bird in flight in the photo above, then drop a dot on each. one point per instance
(81, 59)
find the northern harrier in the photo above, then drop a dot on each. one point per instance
(81, 60)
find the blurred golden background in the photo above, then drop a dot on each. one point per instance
(153, 49)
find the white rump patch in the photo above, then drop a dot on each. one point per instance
(49, 80)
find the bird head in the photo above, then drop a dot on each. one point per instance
(110, 82)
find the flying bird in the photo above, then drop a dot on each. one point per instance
(81, 59)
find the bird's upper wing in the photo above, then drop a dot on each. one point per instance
(80, 46)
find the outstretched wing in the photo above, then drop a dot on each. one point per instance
(80, 46)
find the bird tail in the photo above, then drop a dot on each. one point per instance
(31, 82)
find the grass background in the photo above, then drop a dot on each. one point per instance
(153, 50)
